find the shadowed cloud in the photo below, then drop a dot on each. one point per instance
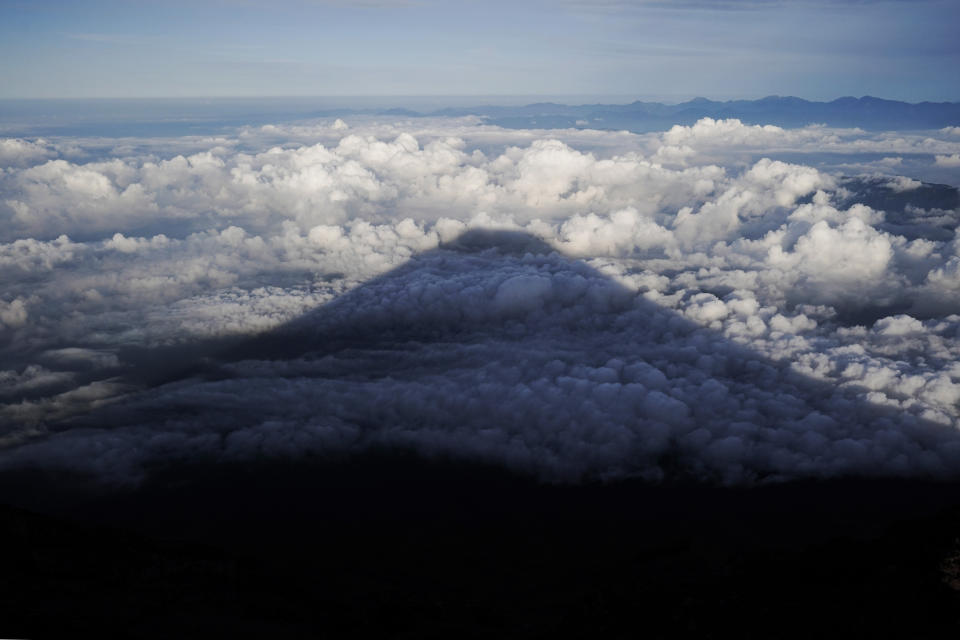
(498, 349)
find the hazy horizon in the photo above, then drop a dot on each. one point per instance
(468, 99)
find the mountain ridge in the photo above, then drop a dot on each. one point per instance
(867, 112)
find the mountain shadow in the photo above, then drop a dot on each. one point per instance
(496, 348)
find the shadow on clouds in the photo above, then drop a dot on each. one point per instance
(497, 349)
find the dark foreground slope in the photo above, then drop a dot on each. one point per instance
(394, 547)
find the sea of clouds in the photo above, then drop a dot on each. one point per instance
(713, 302)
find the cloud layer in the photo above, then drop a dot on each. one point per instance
(713, 301)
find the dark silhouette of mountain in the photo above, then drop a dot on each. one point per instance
(397, 548)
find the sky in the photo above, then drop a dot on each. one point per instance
(639, 49)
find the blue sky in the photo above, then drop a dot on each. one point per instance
(651, 49)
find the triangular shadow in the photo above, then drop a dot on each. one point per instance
(497, 348)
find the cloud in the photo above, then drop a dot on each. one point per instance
(18, 152)
(902, 183)
(548, 366)
(952, 160)
(13, 313)
(571, 304)
(708, 136)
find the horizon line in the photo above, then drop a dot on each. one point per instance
(652, 99)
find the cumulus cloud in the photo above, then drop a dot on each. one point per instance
(18, 152)
(709, 134)
(13, 313)
(952, 160)
(571, 304)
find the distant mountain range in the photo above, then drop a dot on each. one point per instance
(866, 112)
(210, 116)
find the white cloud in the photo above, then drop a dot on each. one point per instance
(710, 132)
(902, 183)
(952, 160)
(13, 314)
(18, 152)
(708, 137)
(733, 311)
